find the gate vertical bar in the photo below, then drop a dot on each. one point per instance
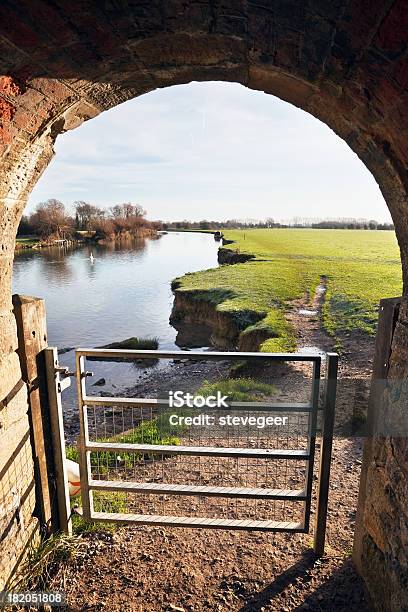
(84, 454)
(326, 452)
(312, 441)
(58, 439)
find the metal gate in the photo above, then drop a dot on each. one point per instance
(123, 455)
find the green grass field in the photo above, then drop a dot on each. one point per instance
(26, 241)
(361, 267)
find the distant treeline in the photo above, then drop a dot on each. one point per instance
(269, 222)
(51, 220)
(364, 224)
(214, 225)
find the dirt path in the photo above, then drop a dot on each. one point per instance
(162, 569)
(305, 316)
(357, 349)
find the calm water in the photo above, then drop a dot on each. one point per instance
(125, 292)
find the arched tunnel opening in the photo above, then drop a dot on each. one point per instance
(343, 64)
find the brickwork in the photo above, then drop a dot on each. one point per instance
(344, 61)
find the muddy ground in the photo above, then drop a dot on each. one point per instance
(158, 569)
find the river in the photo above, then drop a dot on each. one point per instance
(124, 292)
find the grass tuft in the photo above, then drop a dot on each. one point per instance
(134, 344)
(238, 389)
(44, 560)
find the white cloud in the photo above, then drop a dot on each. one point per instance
(211, 150)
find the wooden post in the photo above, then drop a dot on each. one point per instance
(387, 319)
(30, 318)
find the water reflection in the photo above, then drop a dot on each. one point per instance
(125, 292)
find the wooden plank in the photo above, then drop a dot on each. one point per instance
(209, 491)
(201, 451)
(31, 323)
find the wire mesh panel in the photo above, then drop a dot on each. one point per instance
(242, 461)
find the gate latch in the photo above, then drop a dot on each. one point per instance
(64, 371)
(64, 378)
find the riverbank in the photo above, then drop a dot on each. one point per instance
(82, 238)
(246, 304)
(26, 242)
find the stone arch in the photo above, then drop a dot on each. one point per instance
(64, 63)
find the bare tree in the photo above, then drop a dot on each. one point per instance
(116, 211)
(51, 218)
(127, 210)
(86, 214)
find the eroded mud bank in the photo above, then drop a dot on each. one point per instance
(229, 330)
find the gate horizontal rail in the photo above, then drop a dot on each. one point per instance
(169, 452)
(204, 523)
(195, 355)
(91, 400)
(151, 487)
(200, 451)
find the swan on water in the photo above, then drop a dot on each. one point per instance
(92, 258)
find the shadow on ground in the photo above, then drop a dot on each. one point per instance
(342, 589)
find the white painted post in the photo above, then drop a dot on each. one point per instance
(84, 454)
(58, 440)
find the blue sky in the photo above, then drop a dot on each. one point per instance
(211, 150)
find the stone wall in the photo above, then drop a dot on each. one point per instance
(381, 536)
(17, 487)
(386, 541)
(343, 61)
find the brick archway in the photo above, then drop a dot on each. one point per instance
(63, 63)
